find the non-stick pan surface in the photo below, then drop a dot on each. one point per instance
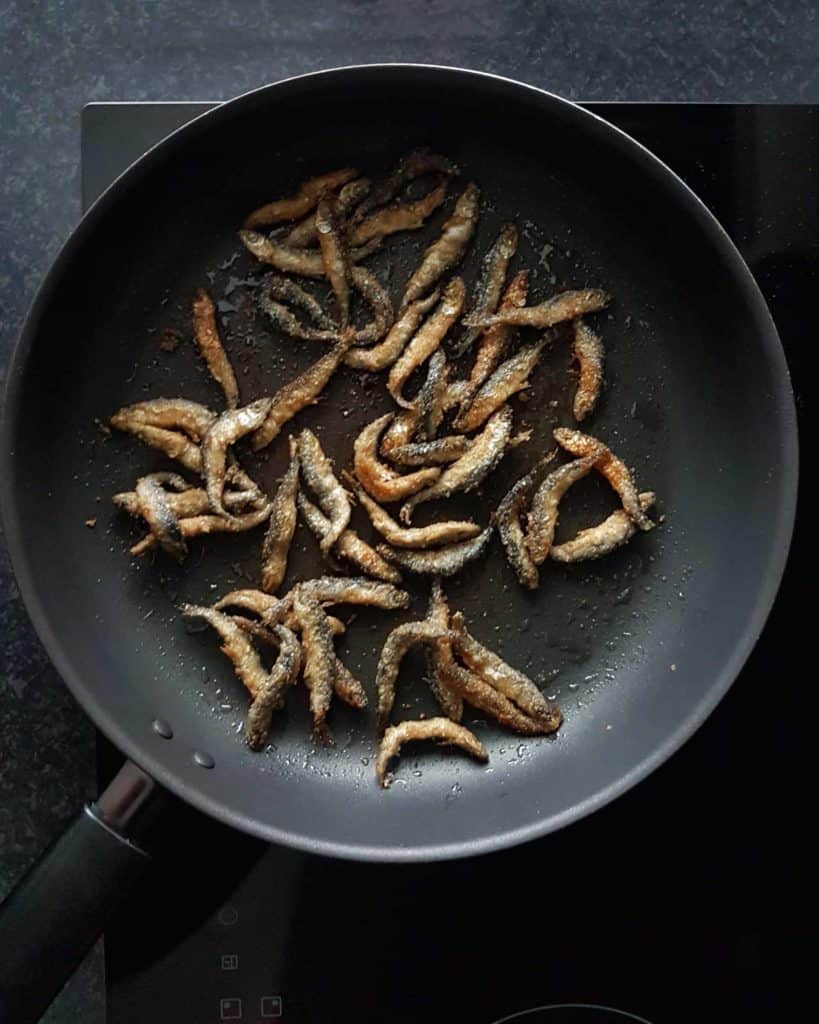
(637, 648)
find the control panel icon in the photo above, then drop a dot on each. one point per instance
(230, 962)
(230, 1009)
(228, 916)
(271, 1006)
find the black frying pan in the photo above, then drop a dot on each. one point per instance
(637, 648)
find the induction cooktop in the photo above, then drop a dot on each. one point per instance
(673, 904)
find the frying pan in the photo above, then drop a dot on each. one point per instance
(638, 648)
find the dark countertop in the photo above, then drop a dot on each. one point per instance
(57, 56)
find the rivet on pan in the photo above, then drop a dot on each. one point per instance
(203, 760)
(162, 728)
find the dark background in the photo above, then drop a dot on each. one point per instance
(57, 56)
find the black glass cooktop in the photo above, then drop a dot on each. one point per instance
(674, 904)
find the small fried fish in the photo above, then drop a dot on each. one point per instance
(210, 345)
(442, 730)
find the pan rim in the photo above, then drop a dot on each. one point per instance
(780, 534)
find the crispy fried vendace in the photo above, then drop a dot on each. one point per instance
(286, 320)
(302, 202)
(270, 697)
(612, 468)
(431, 453)
(193, 501)
(421, 537)
(301, 262)
(154, 507)
(426, 339)
(170, 442)
(490, 286)
(439, 655)
(399, 216)
(416, 164)
(290, 292)
(210, 345)
(380, 356)
(494, 341)
(235, 645)
(432, 398)
(379, 480)
(509, 518)
(300, 392)
(596, 541)
(509, 378)
(177, 414)
(589, 353)
(443, 730)
(353, 590)
(334, 254)
(319, 659)
(448, 249)
(202, 525)
(401, 430)
(543, 512)
(513, 684)
(282, 526)
(225, 431)
(268, 608)
(398, 642)
(475, 691)
(445, 561)
(318, 474)
(565, 306)
(472, 468)
(349, 545)
(305, 234)
(347, 687)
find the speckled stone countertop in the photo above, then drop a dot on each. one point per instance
(57, 56)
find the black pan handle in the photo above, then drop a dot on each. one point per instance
(58, 910)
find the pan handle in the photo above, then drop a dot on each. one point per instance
(58, 910)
